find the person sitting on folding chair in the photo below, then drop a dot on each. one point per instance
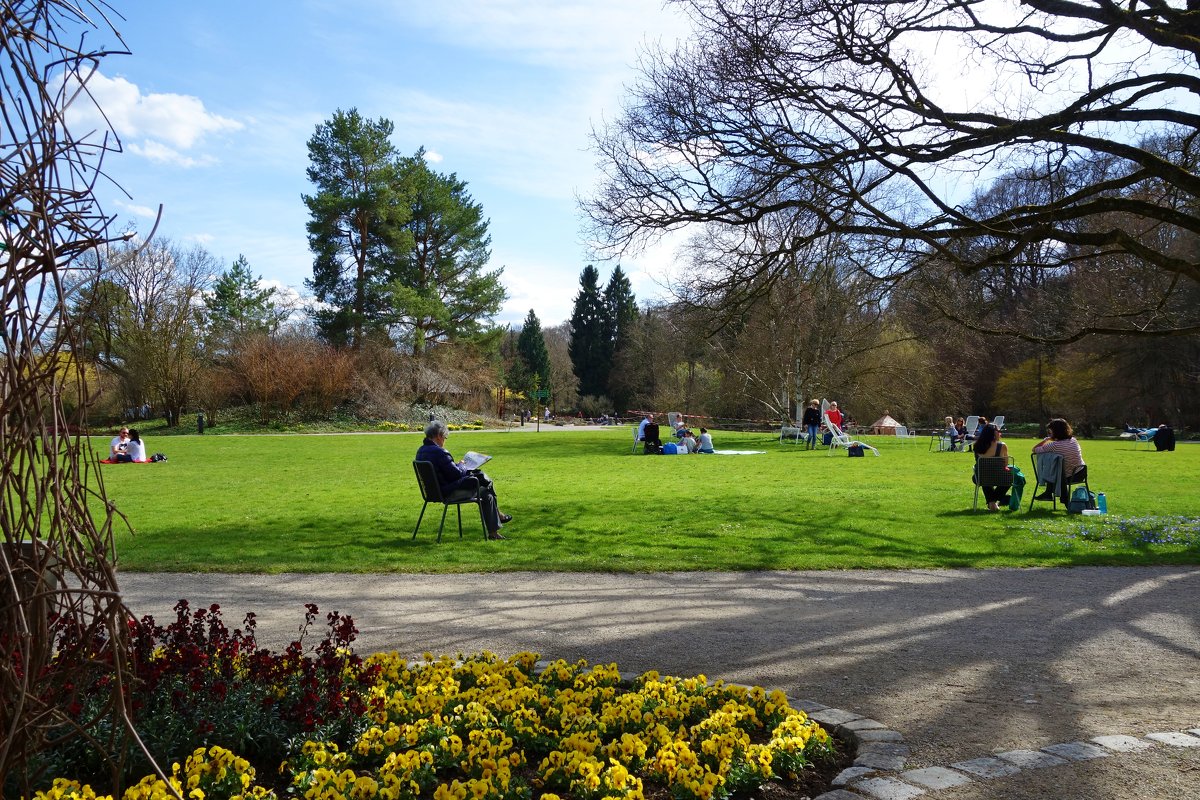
(988, 445)
(1061, 440)
(452, 474)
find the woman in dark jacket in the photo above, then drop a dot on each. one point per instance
(811, 421)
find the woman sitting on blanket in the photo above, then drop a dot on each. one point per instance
(135, 449)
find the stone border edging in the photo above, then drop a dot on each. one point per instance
(881, 750)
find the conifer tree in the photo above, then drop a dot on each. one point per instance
(589, 349)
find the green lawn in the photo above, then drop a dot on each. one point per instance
(348, 503)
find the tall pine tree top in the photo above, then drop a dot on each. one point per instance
(591, 356)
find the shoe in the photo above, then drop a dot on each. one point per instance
(505, 518)
(496, 535)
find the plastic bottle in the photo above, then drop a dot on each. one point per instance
(1102, 503)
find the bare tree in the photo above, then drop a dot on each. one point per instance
(57, 554)
(833, 114)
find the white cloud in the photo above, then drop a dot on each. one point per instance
(433, 157)
(146, 212)
(158, 126)
(565, 34)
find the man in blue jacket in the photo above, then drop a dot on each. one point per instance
(453, 477)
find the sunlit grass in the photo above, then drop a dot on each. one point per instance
(582, 501)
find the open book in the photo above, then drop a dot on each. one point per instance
(473, 460)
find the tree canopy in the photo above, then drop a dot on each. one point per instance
(442, 290)
(356, 225)
(1072, 162)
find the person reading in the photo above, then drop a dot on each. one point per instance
(455, 476)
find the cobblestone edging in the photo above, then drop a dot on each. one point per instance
(878, 770)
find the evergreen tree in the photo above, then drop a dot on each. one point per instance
(238, 306)
(590, 353)
(442, 291)
(356, 227)
(532, 352)
(620, 309)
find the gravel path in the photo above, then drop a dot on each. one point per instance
(962, 663)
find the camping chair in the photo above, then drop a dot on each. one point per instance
(991, 471)
(841, 439)
(795, 432)
(650, 439)
(431, 492)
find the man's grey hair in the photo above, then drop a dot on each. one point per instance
(436, 428)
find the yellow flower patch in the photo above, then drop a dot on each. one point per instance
(488, 728)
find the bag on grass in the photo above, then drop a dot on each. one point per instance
(827, 439)
(158, 457)
(855, 451)
(1081, 499)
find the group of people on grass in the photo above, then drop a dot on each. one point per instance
(689, 441)
(1060, 439)
(127, 447)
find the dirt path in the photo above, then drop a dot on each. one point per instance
(963, 663)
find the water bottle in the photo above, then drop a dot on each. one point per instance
(1102, 503)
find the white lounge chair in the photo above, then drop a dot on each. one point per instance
(904, 435)
(842, 439)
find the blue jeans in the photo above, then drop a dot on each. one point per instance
(811, 439)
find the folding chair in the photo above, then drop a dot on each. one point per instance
(431, 492)
(1047, 471)
(991, 471)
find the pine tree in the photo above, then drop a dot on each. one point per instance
(590, 353)
(535, 358)
(238, 305)
(356, 226)
(620, 309)
(443, 292)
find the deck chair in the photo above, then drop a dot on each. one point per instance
(972, 424)
(991, 471)
(675, 420)
(841, 439)
(903, 434)
(431, 492)
(999, 422)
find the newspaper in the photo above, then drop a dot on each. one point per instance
(473, 460)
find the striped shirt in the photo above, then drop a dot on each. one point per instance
(1068, 449)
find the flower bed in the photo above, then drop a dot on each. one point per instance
(240, 722)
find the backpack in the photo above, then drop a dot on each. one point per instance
(1081, 499)
(158, 457)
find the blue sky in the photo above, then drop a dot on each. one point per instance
(217, 102)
